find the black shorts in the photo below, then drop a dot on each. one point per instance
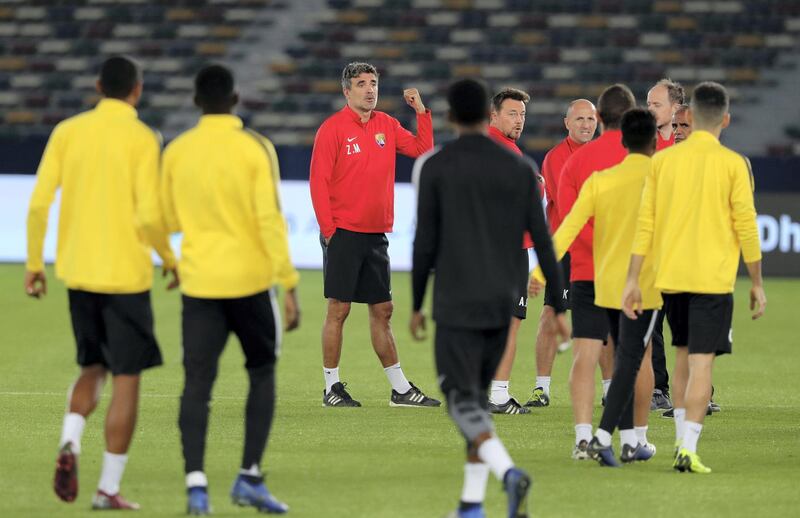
(588, 320)
(634, 334)
(207, 323)
(466, 359)
(356, 267)
(521, 297)
(550, 298)
(114, 330)
(701, 321)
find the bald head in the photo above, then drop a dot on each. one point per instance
(581, 120)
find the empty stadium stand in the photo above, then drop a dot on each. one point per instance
(556, 49)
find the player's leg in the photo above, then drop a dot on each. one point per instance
(256, 322)
(545, 357)
(645, 382)
(607, 365)
(374, 287)
(132, 348)
(660, 399)
(459, 356)
(204, 334)
(590, 327)
(500, 401)
(586, 354)
(710, 333)
(546, 336)
(633, 338)
(342, 258)
(84, 394)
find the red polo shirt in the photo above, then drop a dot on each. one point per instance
(500, 137)
(353, 167)
(602, 153)
(662, 143)
(553, 163)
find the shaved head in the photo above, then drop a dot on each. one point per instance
(581, 120)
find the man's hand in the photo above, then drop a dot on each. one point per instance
(291, 308)
(35, 284)
(413, 99)
(535, 287)
(562, 328)
(632, 300)
(176, 280)
(417, 326)
(758, 301)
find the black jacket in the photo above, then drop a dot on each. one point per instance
(476, 199)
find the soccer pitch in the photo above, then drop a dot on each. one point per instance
(378, 461)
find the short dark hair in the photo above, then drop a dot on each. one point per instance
(638, 129)
(613, 103)
(214, 89)
(710, 103)
(674, 89)
(509, 93)
(119, 75)
(469, 101)
(355, 69)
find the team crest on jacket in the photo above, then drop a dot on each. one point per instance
(380, 138)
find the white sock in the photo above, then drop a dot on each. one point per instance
(627, 437)
(606, 384)
(196, 479)
(113, 468)
(641, 434)
(72, 431)
(583, 432)
(331, 377)
(691, 435)
(396, 377)
(253, 471)
(544, 382)
(603, 437)
(494, 454)
(499, 393)
(680, 423)
(476, 475)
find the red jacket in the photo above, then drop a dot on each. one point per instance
(499, 137)
(664, 143)
(602, 153)
(553, 163)
(353, 167)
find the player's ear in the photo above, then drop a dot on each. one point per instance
(98, 87)
(197, 101)
(234, 99)
(726, 120)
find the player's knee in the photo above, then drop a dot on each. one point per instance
(382, 311)
(261, 373)
(338, 311)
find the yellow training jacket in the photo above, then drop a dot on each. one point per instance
(612, 197)
(106, 163)
(697, 214)
(219, 186)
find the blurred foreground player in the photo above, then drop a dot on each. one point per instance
(474, 204)
(352, 190)
(696, 256)
(220, 188)
(105, 162)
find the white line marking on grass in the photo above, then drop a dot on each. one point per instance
(155, 396)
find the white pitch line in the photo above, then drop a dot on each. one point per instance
(154, 396)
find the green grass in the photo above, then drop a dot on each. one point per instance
(383, 462)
